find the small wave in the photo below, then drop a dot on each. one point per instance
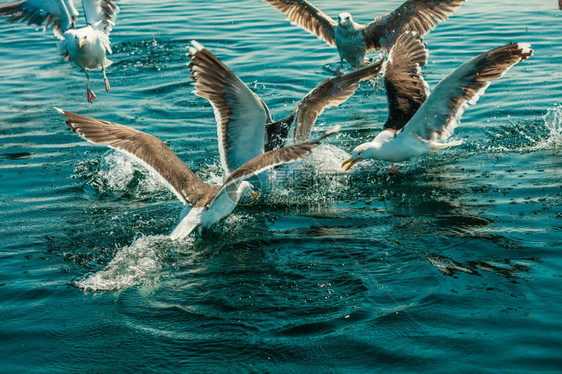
(139, 263)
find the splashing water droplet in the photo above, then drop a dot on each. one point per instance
(553, 122)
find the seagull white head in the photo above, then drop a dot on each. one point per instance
(247, 186)
(362, 152)
(79, 37)
(345, 20)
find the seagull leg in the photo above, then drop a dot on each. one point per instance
(339, 69)
(105, 80)
(89, 93)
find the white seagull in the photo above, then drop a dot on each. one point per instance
(244, 121)
(205, 204)
(354, 40)
(86, 46)
(440, 113)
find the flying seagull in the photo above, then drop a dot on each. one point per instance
(354, 40)
(205, 204)
(440, 113)
(245, 126)
(86, 46)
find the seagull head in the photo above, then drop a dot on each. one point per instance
(80, 37)
(345, 20)
(361, 152)
(247, 186)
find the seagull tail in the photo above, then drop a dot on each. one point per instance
(187, 224)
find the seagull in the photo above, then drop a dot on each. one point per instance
(440, 113)
(354, 40)
(86, 46)
(245, 126)
(205, 204)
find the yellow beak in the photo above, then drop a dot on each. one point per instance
(80, 43)
(349, 161)
(255, 195)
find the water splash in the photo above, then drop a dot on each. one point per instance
(553, 122)
(313, 179)
(139, 263)
(119, 171)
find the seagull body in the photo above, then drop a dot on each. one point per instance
(350, 41)
(419, 123)
(354, 40)
(86, 46)
(244, 122)
(205, 204)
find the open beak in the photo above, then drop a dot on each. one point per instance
(80, 43)
(255, 195)
(349, 161)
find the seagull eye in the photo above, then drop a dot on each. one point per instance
(85, 36)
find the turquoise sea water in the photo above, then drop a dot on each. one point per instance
(455, 266)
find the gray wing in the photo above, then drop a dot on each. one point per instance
(438, 116)
(406, 90)
(59, 13)
(100, 14)
(147, 149)
(276, 157)
(307, 16)
(420, 16)
(329, 93)
(240, 114)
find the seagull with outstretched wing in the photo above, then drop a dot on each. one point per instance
(59, 13)
(416, 123)
(86, 46)
(354, 40)
(245, 126)
(205, 204)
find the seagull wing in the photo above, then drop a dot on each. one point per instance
(149, 150)
(406, 89)
(331, 92)
(274, 158)
(439, 115)
(100, 14)
(413, 15)
(240, 114)
(307, 16)
(60, 13)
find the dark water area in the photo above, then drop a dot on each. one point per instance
(452, 266)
